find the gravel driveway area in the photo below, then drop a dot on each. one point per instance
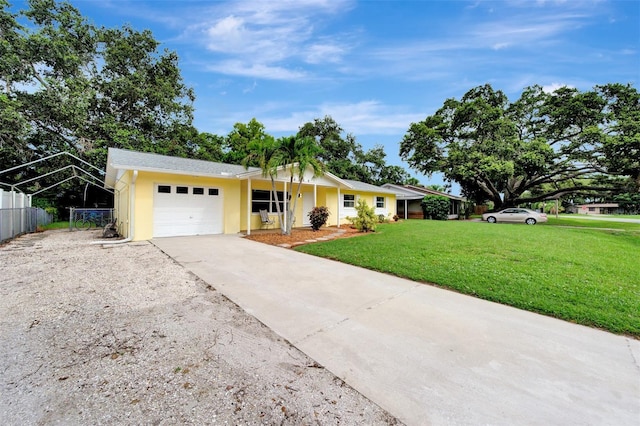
(121, 334)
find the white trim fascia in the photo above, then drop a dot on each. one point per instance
(175, 172)
(258, 174)
(402, 190)
(337, 179)
(254, 173)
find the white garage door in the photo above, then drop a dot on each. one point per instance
(187, 210)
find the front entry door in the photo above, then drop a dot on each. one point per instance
(307, 205)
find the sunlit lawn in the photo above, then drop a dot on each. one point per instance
(591, 223)
(616, 216)
(584, 275)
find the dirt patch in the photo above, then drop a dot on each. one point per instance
(302, 236)
(93, 334)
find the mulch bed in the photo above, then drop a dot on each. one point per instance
(301, 235)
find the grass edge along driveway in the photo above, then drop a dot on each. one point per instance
(583, 275)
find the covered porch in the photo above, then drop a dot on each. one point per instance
(257, 194)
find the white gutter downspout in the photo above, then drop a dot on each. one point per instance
(249, 196)
(287, 200)
(132, 197)
(339, 212)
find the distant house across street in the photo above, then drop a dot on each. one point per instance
(601, 208)
(409, 197)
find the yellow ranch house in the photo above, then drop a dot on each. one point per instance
(162, 196)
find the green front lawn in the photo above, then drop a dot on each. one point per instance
(587, 276)
(591, 223)
(617, 216)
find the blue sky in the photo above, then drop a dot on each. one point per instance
(376, 66)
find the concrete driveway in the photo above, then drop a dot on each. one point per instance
(427, 355)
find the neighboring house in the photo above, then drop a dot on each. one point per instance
(162, 196)
(409, 198)
(601, 208)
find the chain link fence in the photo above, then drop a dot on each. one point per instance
(18, 221)
(84, 219)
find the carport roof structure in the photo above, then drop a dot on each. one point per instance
(84, 175)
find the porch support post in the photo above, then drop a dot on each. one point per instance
(338, 222)
(287, 201)
(13, 207)
(249, 206)
(406, 209)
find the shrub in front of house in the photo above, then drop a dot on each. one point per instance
(366, 219)
(318, 217)
(435, 207)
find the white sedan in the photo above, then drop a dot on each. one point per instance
(515, 215)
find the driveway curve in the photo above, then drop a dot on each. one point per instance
(425, 354)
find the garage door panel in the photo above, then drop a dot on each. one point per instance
(177, 214)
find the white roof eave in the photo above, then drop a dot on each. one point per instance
(222, 175)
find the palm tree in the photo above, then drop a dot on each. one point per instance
(264, 152)
(290, 154)
(297, 154)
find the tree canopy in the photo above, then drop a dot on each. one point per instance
(345, 157)
(341, 155)
(541, 146)
(67, 85)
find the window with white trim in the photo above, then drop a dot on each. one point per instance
(263, 200)
(349, 201)
(380, 202)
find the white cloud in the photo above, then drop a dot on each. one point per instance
(362, 118)
(227, 30)
(255, 70)
(523, 30)
(276, 36)
(499, 46)
(550, 88)
(251, 88)
(324, 53)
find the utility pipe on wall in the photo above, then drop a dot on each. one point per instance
(132, 197)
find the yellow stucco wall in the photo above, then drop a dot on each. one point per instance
(388, 211)
(235, 201)
(144, 188)
(328, 197)
(256, 222)
(121, 204)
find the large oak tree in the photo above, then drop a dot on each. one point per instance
(541, 146)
